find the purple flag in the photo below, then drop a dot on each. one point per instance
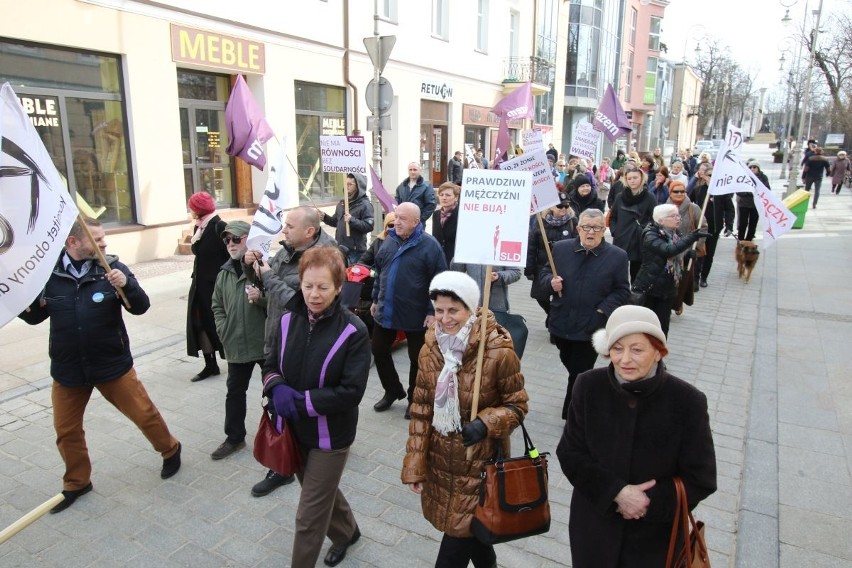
(610, 118)
(503, 141)
(246, 125)
(381, 194)
(517, 104)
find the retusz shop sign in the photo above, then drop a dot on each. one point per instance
(221, 51)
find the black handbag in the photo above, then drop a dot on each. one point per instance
(516, 325)
(513, 499)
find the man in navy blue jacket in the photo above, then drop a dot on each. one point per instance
(591, 275)
(405, 265)
(89, 349)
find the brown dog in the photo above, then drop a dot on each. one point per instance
(747, 255)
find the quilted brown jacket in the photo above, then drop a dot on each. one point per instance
(450, 481)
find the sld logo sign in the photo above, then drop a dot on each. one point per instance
(510, 251)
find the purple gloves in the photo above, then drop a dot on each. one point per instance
(284, 400)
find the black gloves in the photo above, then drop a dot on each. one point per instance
(699, 234)
(690, 255)
(474, 432)
(597, 322)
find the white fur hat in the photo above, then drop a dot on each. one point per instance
(624, 321)
(459, 284)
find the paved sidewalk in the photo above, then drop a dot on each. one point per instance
(768, 355)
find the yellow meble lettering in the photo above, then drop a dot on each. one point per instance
(192, 48)
(228, 57)
(213, 50)
(253, 57)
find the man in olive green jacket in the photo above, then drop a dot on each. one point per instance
(239, 309)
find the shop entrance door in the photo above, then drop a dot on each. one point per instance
(206, 166)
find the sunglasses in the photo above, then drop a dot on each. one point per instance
(560, 206)
(235, 240)
(678, 191)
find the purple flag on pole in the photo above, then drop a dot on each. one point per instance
(247, 128)
(610, 118)
(382, 195)
(503, 141)
(517, 104)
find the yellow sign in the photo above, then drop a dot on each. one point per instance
(211, 49)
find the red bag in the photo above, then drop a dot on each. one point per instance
(278, 452)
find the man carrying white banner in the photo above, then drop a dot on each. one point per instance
(731, 175)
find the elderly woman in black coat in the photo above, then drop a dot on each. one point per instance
(632, 427)
(663, 262)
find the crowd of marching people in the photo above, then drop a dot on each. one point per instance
(285, 314)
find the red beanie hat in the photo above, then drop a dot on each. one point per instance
(202, 203)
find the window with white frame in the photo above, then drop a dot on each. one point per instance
(634, 16)
(387, 9)
(514, 30)
(441, 18)
(482, 26)
(654, 33)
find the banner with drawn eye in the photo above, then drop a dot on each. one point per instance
(36, 210)
(494, 218)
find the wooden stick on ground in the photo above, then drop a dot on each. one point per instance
(101, 258)
(30, 517)
(480, 353)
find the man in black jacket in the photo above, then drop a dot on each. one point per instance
(455, 168)
(89, 349)
(719, 215)
(590, 283)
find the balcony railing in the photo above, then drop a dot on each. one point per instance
(523, 69)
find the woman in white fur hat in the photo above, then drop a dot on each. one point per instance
(631, 428)
(442, 428)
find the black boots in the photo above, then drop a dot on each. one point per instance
(210, 368)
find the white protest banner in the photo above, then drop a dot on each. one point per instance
(544, 193)
(731, 175)
(343, 154)
(584, 143)
(269, 217)
(493, 224)
(531, 141)
(471, 156)
(36, 210)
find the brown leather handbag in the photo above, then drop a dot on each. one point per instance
(693, 553)
(512, 496)
(278, 451)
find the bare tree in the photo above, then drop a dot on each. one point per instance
(726, 89)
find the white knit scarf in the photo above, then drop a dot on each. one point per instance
(446, 417)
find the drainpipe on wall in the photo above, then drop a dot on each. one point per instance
(346, 80)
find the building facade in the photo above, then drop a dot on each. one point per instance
(129, 96)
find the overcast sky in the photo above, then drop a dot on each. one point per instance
(751, 28)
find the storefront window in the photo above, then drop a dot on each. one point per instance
(75, 101)
(320, 111)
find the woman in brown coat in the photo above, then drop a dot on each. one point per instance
(435, 464)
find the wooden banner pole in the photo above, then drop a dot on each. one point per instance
(480, 352)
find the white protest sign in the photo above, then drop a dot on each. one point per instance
(731, 175)
(532, 141)
(343, 154)
(493, 225)
(585, 140)
(36, 210)
(544, 193)
(269, 217)
(471, 156)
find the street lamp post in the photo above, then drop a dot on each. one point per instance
(797, 151)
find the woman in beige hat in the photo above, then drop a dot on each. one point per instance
(631, 428)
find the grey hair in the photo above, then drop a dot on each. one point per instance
(591, 213)
(664, 210)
